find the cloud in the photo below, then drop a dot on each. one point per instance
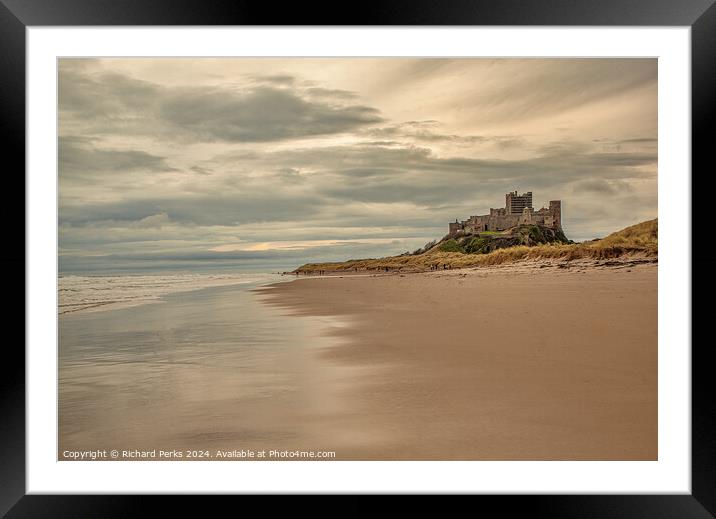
(296, 244)
(112, 103)
(331, 92)
(547, 87)
(602, 186)
(367, 185)
(233, 208)
(109, 95)
(415, 174)
(77, 155)
(429, 132)
(419, 131)
(200, 170)
(155, 220)
(276, 79)
(275, 259)
(260, 115)
(642, 140)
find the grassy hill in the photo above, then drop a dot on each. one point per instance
(522, 244)
(486, 242)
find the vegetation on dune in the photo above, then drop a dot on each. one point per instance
(450, 246)
(472, 251)
(644, 234)
(488, 241)
(476, 245)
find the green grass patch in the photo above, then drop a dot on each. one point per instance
(451, 246)
(476, 245)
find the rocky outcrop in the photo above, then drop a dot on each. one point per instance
(486, 242)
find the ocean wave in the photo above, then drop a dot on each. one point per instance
(94, 293)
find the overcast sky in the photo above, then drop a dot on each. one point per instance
(269, 163)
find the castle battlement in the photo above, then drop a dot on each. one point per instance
(518, 210)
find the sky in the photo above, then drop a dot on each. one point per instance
(266, 164)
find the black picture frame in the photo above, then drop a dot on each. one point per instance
(17, 15)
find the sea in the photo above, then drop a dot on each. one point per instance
(78, 293)
(188, 362)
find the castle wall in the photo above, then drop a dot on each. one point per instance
(502, 219)
(555, 209)
(455, 227)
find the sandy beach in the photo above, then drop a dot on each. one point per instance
(530, 362)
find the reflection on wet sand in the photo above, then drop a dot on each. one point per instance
(209, 369)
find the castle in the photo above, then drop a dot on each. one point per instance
(518, 210)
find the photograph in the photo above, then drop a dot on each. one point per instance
(357, 259)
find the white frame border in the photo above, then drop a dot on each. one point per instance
(670, 474)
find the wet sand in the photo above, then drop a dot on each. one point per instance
(509, 363)
(199, 371)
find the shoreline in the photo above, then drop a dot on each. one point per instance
(87, 296)
(526, 361)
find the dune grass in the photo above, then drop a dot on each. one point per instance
(640, 239)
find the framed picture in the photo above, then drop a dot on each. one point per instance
(266, 255)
